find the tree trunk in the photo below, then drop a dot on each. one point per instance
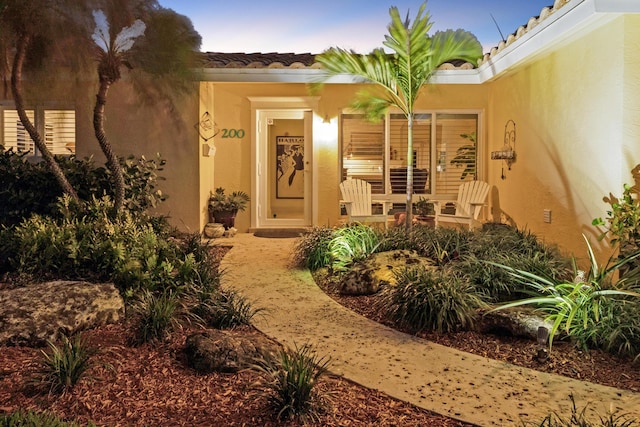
(409, 209)
(16, 88)
(112, 160)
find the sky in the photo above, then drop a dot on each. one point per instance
(301, 26)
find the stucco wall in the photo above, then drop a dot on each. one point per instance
(232, 107)
(135, 128)
(568, 108)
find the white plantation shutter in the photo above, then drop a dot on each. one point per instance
(15, 135)
(60, 131)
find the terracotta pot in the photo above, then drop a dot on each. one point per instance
(227, 218)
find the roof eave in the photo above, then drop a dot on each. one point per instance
(547, 35)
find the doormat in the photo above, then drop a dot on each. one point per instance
(279, 233)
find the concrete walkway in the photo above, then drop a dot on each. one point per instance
(457, 384)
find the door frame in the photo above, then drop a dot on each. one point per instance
(280, 107)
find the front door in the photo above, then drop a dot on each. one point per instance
(283, 168)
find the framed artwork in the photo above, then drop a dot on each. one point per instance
(289, 167)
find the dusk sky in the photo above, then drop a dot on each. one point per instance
(300, 26)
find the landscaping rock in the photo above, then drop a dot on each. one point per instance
(516, 321)
(33, 314)
(360, 279)
(369, 276)
(225, 351)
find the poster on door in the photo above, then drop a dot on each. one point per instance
(289, 167)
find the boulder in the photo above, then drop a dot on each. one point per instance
(378, 270)
(216, 350)
(33, 314)
(360, 279)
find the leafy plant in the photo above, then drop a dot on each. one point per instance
(312, 249)
(351, 244)
(578, 418)
(623, 221)
(219, 201)
(433, 300)
(572, 306)
(63, 366)
(156, 316)
(225, 309)
(423, 207)
(289, 383)
(22, 418)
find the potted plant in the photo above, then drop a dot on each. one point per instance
(224, 207)
(424, 212)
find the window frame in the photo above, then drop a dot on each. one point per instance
(41, 125)
(434, 153)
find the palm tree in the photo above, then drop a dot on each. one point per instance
(163, 55)
(111, 57)
(26, 27)
(401, 74)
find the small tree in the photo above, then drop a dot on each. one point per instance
(401, 74)
(111, 57)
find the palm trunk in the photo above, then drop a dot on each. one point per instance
(112, 160)
(409, 210)
(16, 88)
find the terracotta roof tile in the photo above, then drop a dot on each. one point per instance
(257, 60)
(524, 29)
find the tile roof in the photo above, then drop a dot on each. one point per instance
(281, 60)
(258, 60)
(524, 29)
(275, 60)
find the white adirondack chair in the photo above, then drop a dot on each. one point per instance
(356, 196)
(472, 195)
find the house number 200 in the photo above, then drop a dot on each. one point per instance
(232, 133)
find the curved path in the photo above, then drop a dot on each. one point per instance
(457, 384)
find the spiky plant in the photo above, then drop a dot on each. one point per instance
(289, 383)
(61, 367)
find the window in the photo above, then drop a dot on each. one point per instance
(444, 151)
(57, 127)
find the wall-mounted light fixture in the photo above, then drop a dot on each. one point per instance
(508, 151)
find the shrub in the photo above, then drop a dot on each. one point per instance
(312, 249)
(155, 316)
(574, 306)
(225, 309)
(442, 245)
(30, 418)
(92, 242)
(62, 367)
(396, 238)
(623, 221)
(29, 188)
(433, 300)
(289, 383)
(351, 244)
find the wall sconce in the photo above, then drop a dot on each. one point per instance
(508, 151)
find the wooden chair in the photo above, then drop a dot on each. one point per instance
(356, 196)
(471, 197)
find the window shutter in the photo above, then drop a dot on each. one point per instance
(60, 131)
(15, 135)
